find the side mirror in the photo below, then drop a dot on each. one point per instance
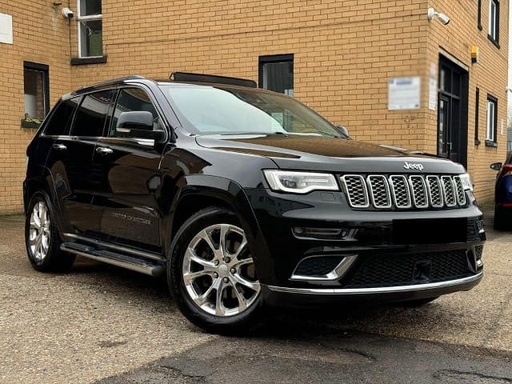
(343, 130)
(138, 125)
(496, 166)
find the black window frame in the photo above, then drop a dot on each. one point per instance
(491, 141)
(31, 121)
(477, 115)
(494, 39)
(270, 59)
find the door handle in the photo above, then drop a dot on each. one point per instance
(104, 151)
(59, 147)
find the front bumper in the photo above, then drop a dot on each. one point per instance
(275, 295)
(394, 255)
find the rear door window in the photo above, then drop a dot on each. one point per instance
(92, 115)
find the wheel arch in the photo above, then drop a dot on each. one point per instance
(201, 192)
(43, 182)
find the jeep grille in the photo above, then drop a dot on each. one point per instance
(403, 192)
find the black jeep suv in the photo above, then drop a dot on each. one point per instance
(243, 198)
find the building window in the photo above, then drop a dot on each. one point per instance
(90, 41)
(36, 93)
(494, 21)
(492, 121)
(276, 73)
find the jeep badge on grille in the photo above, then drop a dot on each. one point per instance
(416, 166)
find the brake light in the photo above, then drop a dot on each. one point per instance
(507, 170)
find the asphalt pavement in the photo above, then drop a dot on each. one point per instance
(102, 324)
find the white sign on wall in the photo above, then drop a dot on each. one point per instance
(404, 93)
(5, 28)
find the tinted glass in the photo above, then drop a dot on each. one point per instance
(61, 118)
(92, 114)
(133, 99)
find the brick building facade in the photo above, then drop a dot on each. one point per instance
(379, 67)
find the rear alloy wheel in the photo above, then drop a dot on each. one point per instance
(212, 275)
(41, 237)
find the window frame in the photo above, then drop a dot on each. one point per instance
(80, 20)
(491, 127)
(27, 121)
(494, 22)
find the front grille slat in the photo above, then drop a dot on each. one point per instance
(379, 191)
(448, 189)
(357, 191)
(401, 192)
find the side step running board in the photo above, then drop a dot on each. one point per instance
(113, 258)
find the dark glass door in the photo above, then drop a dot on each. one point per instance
(452, 132)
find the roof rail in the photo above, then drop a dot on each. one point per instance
(109, 82)
(119, 79)
(201, 78)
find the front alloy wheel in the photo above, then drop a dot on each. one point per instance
(212, 273)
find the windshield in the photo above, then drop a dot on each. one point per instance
(211, 110)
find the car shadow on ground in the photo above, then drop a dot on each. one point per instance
(278, 322)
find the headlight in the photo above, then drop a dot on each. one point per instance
(466, 182)
(300, 182)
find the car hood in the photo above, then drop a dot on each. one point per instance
(335, 154)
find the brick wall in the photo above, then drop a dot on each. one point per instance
(40, 35)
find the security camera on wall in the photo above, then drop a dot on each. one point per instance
(441, 16)
(67, 13)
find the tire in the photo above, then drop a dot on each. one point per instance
(418, 303)
(215, 286)
(42, 238)
(500, 222)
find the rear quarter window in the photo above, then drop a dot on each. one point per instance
(60, 120)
